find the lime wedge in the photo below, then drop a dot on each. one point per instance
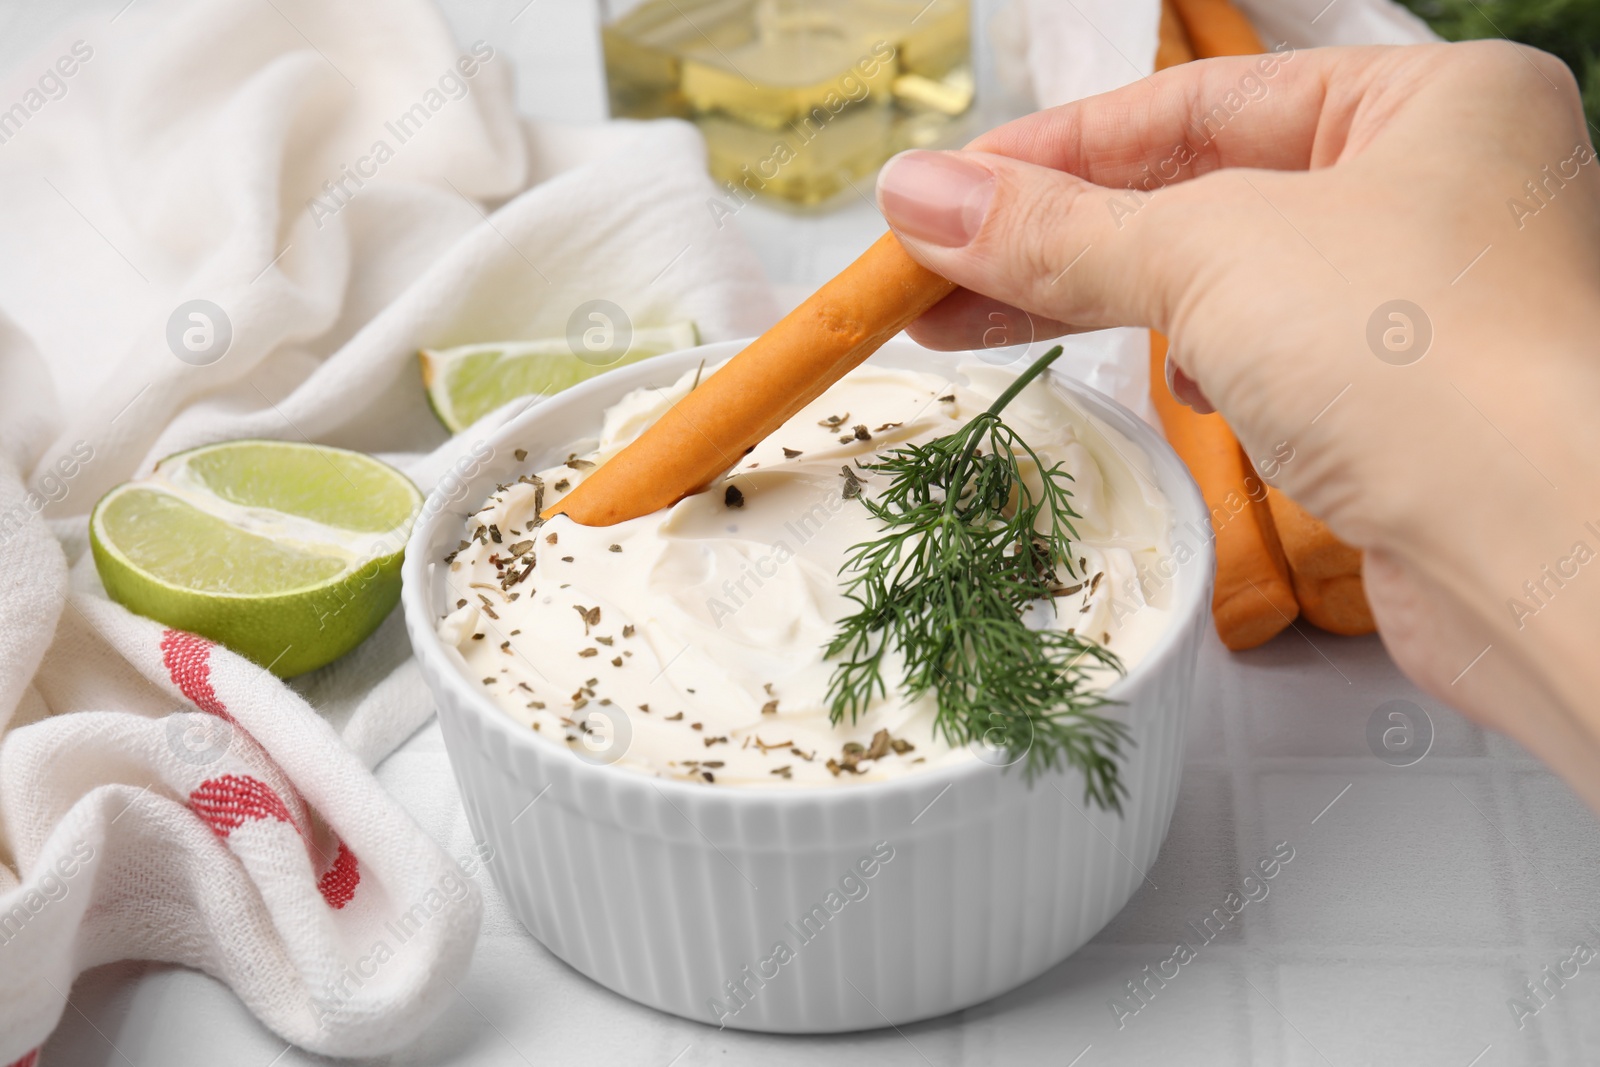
(467, 382)
(289, 554)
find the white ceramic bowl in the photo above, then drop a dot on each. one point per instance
(895, 900)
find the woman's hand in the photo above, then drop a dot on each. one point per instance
(1387, 258)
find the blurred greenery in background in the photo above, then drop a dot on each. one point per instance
(1566, 28)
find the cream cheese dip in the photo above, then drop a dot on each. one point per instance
(689, 643)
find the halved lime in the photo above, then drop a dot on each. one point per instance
(469, 381)
(289, 554)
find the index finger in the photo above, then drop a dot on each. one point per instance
(1279, 111)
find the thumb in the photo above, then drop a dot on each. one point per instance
(1041, 240)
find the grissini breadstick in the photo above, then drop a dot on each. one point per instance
(705, 433)
(1338, 605)
(1311, 548)
(1324, 572)
(1172, 44)
(1253, 599)
(1218, 28)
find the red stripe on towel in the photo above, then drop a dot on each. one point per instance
(339, 883)
(228, 802)
(188, 661)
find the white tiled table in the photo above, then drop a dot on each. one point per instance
(1418, 900)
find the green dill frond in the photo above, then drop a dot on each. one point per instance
(967, 544)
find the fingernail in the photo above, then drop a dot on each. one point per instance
(1172, 381)
(1186, 391)
(938, 197)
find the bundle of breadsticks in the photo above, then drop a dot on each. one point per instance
(1274, 561)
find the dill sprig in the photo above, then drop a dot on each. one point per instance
(967, 544)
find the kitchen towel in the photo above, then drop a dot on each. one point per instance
(329, 188)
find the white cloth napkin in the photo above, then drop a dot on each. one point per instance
(1050, 53)
(161, 798)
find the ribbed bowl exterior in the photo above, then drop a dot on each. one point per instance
(679, 895)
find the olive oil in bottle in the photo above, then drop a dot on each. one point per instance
(796, 98)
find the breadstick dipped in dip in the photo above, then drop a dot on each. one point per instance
(780, 372)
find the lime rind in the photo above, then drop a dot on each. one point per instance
(315, 618)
